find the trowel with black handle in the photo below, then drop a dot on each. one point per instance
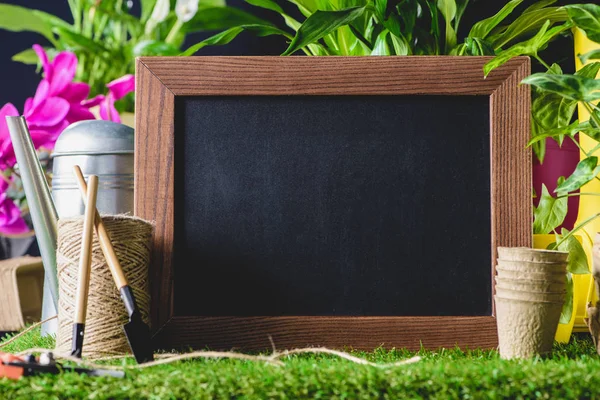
(137, 331)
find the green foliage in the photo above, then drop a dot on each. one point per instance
(482, 28)
(407, 27)
(106, 37)
(587, 18)
(586, 170)
(529, 47)
(549, 213)
(569, 373)
(572, 87)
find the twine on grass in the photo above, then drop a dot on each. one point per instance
(106, 314)
(168, 358)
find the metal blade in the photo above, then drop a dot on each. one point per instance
(140, 341)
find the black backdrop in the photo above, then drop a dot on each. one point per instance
(17, 82)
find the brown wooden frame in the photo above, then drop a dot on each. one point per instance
(160, 80)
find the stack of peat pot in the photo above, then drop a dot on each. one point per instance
(530, 292)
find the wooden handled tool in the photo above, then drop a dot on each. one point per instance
(137, 332)
(85, 263)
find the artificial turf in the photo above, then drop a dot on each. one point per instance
(573, 371)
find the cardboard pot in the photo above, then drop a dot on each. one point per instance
(526, 328)
(531, 255)
(539, 286)
(526, 275)
(531, 296)
(526, 266)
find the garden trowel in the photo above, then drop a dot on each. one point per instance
(137, 331)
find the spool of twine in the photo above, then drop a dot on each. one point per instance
(106, 314)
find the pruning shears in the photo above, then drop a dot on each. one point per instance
(14, 367)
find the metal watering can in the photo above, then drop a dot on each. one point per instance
(102, 148)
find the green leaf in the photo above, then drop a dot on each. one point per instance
(154, 48)
(448, 10)
(477, 47)
(528, 23)
(589, 70)
(28, 57)
(550, 212)
(267, 4)
(568, 130)
(230, 34)
(572, 87)
(539, 5)
(401, 48)
(578, 262)
(21, 19)
(527, 48)
(482, 28)
(567, 310)
(220, 18)
(461, 6)
(147, 8)
(380, 10)
(321, 23)
(381, 47)
(77, 41)
(586, 17)
(202, 4)
(590, 55)
(586, 170)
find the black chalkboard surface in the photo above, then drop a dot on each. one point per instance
(325, 205)
(329, 201)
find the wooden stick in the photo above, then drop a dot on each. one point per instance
(85, 257)
(103, 237)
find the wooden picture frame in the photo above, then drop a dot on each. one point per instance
(161, 80)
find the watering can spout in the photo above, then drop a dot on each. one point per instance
(43, 212)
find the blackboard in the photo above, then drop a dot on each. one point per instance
(329, 201)
(311, 205)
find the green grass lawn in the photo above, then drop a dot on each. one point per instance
(573, 371)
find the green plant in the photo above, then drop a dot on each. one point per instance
(106, 36)
(555, 99)
(405, 27)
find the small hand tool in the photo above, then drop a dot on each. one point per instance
(85, 263)
(137, 332)
(14, 367)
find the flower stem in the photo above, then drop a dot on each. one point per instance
(174, 31)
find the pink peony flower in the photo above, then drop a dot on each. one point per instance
(7, 153)
(117, 89)
(11, 221)
(57, 103)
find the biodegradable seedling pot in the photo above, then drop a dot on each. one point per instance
(526, 328)
(526, 276)
(528, 266)
(536, 286)
(531, 255)
(530, 296)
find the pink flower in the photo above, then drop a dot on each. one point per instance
(11, 222)
(7, 153)
(117, 89)
(58, 102)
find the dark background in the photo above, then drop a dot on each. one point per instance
(18, 81)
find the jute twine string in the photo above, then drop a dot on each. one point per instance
(167, 358)
(106, 314)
